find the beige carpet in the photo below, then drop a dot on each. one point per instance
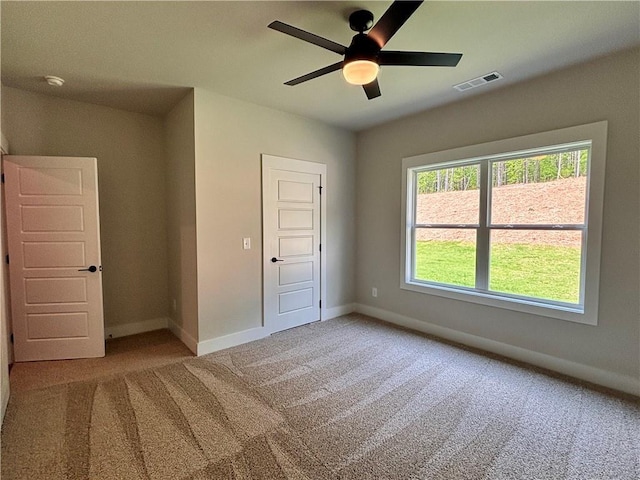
(350, 398)
(125, 354)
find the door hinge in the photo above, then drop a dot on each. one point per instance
(6, 259)
(320, 247)
(319, 188)
(11, 338)
(2, 177)
(320, 303)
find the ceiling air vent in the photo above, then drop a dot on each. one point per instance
(477, 82)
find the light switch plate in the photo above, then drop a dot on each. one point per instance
(246, 243)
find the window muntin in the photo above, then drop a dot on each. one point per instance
(489, 289)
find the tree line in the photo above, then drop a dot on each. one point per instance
(543, 168)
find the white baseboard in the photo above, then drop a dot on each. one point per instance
(333, 312)
(231, 340)
(188, 340)
(598, 376)
(238, 338)
(137, 327)
(234, 339)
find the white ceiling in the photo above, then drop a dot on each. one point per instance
(142, 56)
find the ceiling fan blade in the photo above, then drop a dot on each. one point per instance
(315, 74)
(395, 16)
(372, 89)
(308, 37)
(425, 59)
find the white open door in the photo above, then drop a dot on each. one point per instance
(291, 222)
(55, 269)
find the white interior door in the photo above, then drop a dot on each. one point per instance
(55, 269)
(291, 241)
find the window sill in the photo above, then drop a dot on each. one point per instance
(567, 313)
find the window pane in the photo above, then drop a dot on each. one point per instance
(446, 255)
(536, 263)
(546, 189)
(448, 196)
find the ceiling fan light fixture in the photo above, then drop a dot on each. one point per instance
(54, 81)
(360, 72)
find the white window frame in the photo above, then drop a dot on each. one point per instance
(594, 134)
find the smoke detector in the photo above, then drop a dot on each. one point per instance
(54, 81)
(477, 82)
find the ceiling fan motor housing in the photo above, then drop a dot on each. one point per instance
(362, 47)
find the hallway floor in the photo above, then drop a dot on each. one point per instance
(135, 352)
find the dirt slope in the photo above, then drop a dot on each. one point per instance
(560, 201)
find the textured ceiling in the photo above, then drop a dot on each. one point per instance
(142, 56)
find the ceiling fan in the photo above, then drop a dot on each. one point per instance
(363, 58)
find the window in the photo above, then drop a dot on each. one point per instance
(513, 224)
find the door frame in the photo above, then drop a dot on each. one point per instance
(274, 162)
(6, 347)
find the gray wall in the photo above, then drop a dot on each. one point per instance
(131, 182)
(230, 137)
(181, 215)
(606, 89)
(178, 195)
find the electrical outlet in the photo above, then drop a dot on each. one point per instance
(374, 292)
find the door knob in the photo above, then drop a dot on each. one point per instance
(274, 260)
(91, 269)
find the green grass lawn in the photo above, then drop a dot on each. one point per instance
(541, 271)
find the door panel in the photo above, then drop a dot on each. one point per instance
(57, 325)
(295, 246)
(295, 273)
(55, 290)
(296, 300)
(295, 219)
(53, 254)
(49, 218)
(53, 236)
(295, 191)
(50, 181)
(291, 223)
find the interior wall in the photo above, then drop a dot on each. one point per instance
(605, 89)
(131, 182)
(181, 216)
(230, 136)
